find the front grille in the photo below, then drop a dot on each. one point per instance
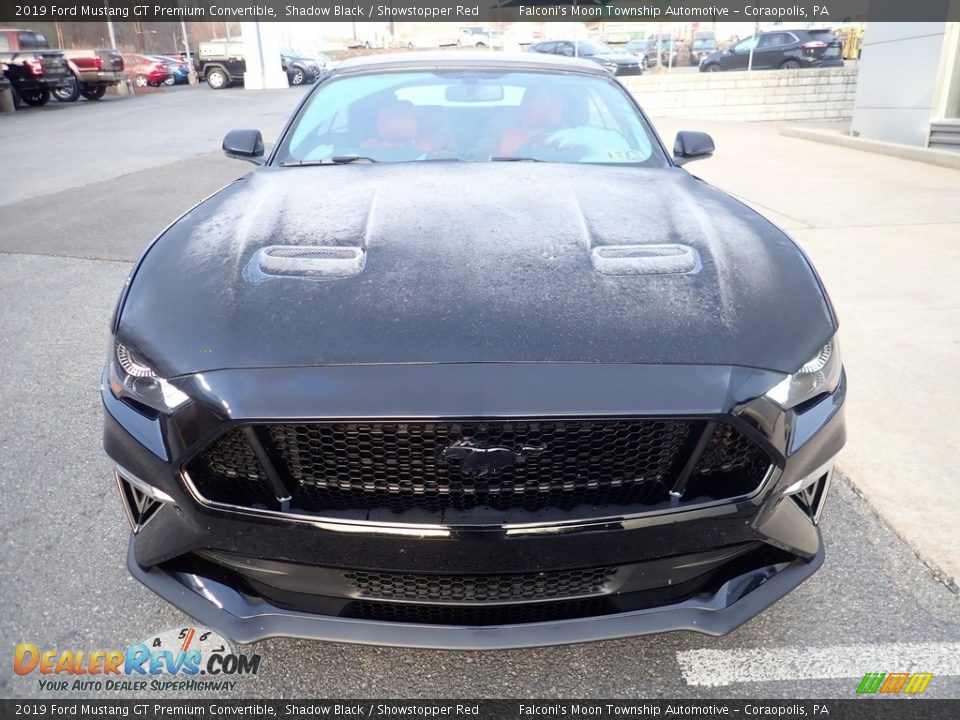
(480, 588)
(497, 466)
(401, 465)
(232, 472)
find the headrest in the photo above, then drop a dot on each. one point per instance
(541, 108)
(397, 120)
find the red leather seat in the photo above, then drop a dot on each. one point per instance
(397, 125)
(539, 110)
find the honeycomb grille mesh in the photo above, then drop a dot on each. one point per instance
(479, 615)
(402, 465)
(435, 467)
(228, 470)
(480, 588)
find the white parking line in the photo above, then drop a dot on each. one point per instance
(725, 667)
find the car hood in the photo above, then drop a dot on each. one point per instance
(619, 59)
(472, 262)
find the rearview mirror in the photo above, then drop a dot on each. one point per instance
(473, 92)
(244, 145)
(692, 145)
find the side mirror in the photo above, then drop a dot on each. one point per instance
(730, 50)
(691, 145)
(244, 145)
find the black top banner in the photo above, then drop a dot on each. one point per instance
(830, 11)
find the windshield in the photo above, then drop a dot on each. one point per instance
(704, 44)
(470, 115)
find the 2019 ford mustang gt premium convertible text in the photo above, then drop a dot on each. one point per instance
(470, 361)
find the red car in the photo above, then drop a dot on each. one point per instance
(146, 71)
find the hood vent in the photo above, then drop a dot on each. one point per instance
(645, 259)
(310, 261)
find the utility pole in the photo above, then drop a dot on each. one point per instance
(113, 36)
(576, 35)
(192, 77)
(756, 39)
(671, 49)
(124, 88)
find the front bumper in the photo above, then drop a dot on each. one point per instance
(246, 620)
(707, 568)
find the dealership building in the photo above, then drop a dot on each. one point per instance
(908, 85)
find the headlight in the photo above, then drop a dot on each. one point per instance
(131, 377)
(819, 375)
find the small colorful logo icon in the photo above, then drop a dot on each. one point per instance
(894, 683)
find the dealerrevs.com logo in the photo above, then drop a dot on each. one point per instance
(188, 659)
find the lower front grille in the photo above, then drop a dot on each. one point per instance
(478, 616)
(494, 469)
(634, 587)
(480, 588)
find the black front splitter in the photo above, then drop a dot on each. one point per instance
(243, 620)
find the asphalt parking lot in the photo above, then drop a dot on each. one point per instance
(80, 212)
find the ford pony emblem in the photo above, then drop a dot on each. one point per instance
(474, 458)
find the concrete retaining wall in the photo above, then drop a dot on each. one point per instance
(826, 94)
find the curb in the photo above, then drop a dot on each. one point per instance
(942, 158)
(939, 574)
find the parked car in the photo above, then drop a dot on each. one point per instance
(478, 36)
(786, 49)
(4, 82)
(32, 68)
(603, 55)
(325, 62)
(183, 56)
(299, 67)
(93, 71)
(146, 70)
(221, 63)
(704, 42)
(400, 417)
(179, 70)
(662, 50)
(638, 48)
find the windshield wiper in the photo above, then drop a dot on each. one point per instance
(335, 160)
(514, 158)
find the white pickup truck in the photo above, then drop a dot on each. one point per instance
(479, 36)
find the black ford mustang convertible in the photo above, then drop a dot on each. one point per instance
(471, 361)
